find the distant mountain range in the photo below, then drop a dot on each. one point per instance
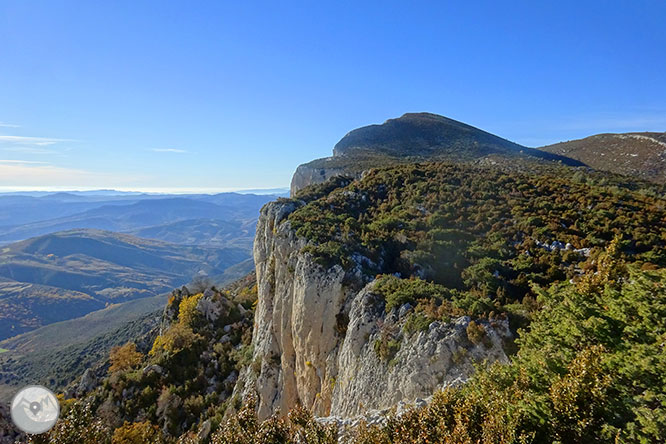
(22, 217)
(416, 137)
(70, 254)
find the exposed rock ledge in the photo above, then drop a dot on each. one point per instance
(310, 355)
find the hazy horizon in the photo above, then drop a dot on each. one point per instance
(158, 190)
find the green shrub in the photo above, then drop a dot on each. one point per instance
(416, 322)
(398, 291)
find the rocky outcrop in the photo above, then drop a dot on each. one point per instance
(294, 331)
(316, 332)
(317, 171)
(426, 361)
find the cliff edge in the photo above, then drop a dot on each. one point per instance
(324, 340)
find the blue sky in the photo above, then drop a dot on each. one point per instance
(211, 96)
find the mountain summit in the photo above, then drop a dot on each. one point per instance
(422, 134)
(412, 137)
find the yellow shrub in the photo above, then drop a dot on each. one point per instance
(188, 313)
(136, 433)
(124, 357)
(175, 339)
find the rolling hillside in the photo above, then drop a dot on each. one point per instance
(641, 155)
(210, 232)
(55, 354)
(68, 274)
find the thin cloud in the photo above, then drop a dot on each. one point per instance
(21, 162)
(8, 125)
(168, 150)
(29, 150)
(31, 141)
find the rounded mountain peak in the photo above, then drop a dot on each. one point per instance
(421, 134)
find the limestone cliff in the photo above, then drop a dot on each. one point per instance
(316, 332)
(317, 171)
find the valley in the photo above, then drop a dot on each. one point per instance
(78, 252)
(68, 274)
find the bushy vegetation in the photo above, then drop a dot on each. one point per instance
(136, 433)
(298, 427)
(591, 369)
(187, 376)
(436, 220)
(123, 358)
(575, 260)
(463, 239)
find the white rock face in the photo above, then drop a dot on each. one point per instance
(309, 356)
(426, 361)
(306, 175)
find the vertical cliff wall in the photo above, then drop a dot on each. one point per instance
(316, 332)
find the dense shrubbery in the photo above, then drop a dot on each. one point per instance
(398, 291)
(436, 220)
(591, 369)
(475, 240)
(298, 427)
(123, 358)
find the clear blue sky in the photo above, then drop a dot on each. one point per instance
(216, 95)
